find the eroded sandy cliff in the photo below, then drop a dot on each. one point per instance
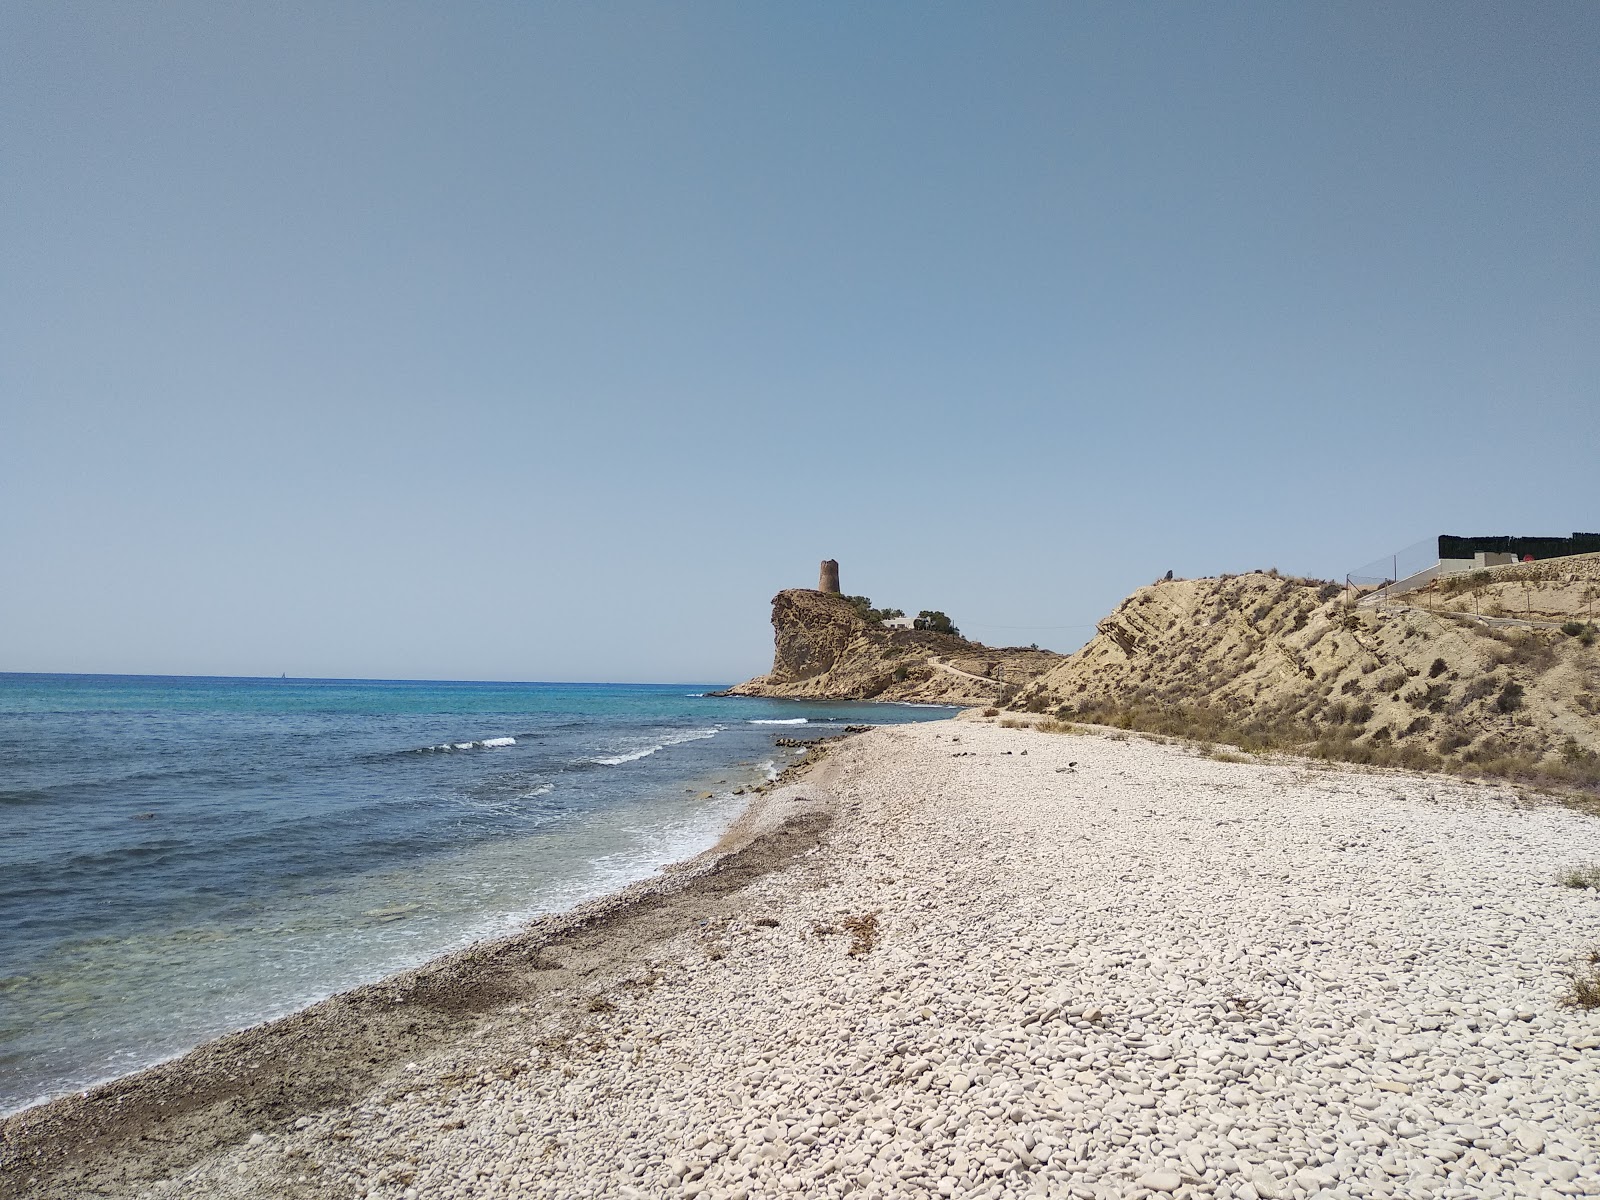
(1269, 662)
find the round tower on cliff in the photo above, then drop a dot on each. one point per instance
(829, 581)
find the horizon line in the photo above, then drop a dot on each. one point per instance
(281, 678)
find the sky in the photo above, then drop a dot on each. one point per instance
(548, 341)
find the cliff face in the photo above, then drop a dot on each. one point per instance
(824, 650)
(1267, 662)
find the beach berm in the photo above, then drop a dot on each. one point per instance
(989, 961)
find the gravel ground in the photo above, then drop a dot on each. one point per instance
(1019, 963)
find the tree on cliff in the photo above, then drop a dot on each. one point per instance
(937, 622)
(872, 616)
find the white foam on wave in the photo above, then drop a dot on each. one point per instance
(616, 760)
(493, 743)
(771, 768)
(785, 721)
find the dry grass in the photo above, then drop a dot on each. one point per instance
(863, 931)
(1052, 725)
(1268, 731)
(1580, 877)
(1583, 981)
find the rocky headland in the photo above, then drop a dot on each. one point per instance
(825, 649)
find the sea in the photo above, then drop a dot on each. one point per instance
(183, 857)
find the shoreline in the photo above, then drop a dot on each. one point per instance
(947, 959)
(718, 794)
(222, 1087)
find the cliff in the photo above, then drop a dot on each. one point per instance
(1265, 662)
(824, 649)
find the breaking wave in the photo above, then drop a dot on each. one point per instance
(493, 743)
(784, 721)
(627, 756)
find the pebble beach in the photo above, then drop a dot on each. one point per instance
(954, 959)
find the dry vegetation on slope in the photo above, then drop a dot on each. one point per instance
(1270, 663)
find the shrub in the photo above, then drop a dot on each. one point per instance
(1438, 668)
(872, 616)
(1431, 697)
(1573, 752)
(1510, 697)
(1527, 650)
(991, 712)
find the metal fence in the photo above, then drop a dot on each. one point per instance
(1393, 567)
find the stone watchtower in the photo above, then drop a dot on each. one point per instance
(829, 580)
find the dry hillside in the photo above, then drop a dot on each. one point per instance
(824, 649)
(1557, 589)
(1265, 662)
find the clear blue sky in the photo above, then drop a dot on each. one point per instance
(504, 340)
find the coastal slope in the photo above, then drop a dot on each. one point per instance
(1268, 662)
(824, 649)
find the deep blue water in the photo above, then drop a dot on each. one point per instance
(180, 857)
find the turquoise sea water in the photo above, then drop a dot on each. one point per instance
(182, 857)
